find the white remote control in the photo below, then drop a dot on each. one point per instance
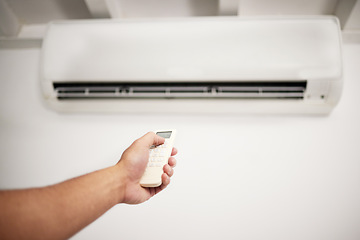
(158, 157)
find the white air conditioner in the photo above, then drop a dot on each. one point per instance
(211, 64)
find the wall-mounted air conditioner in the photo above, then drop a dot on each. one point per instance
(219, 64)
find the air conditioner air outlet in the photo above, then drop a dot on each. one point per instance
(118, 90)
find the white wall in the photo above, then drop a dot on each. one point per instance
(27, 19)
(238, 177)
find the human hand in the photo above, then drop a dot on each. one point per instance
(132, 166)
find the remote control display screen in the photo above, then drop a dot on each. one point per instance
(164, 134)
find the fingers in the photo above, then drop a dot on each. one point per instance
(174, 152)
(165, 177)
(172, 162)
(165, 180)
(157, 140)
(150, 139)
(168, 170)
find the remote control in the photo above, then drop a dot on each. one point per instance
(158, 157)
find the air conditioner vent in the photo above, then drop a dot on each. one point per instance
(255, 90)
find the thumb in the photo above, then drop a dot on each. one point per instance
(151, 139)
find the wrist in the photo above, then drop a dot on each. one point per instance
(120, 183)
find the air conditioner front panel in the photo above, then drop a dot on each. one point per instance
(222, 64)
(200, 49)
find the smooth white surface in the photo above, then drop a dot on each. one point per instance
(193, 49)
(238, 177)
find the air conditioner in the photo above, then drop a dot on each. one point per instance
(208, 64)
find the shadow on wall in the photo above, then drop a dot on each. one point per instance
(39, 11)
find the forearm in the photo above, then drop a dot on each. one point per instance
(61, 210)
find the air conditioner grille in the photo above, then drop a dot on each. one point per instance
(119, 90)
